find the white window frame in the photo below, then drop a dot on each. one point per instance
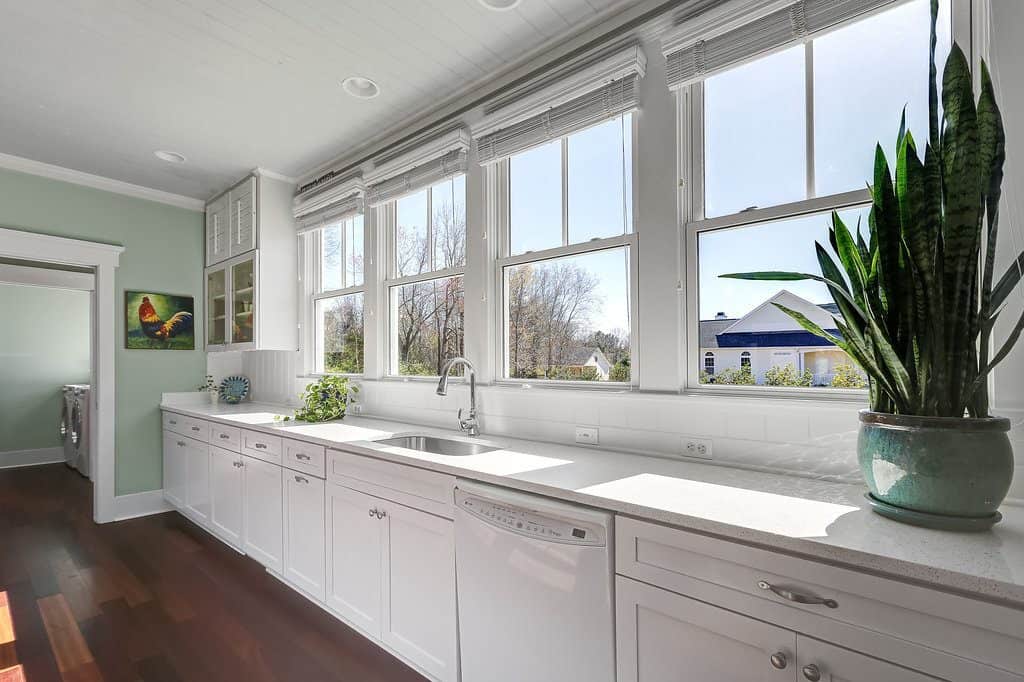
(498, 184)
(315, 280)
(387, 217)
(692, 223)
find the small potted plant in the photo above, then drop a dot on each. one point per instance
(918, 301)
(326, 399)
(210, 388)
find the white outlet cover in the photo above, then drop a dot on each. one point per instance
(587, 435)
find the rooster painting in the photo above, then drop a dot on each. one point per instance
(159, 321)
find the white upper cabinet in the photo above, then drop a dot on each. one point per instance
(252, 268)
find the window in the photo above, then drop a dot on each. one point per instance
(428, 245)
(338, 299)
(778, 144)
(565, 257)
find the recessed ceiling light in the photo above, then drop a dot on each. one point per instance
(360, 87)
(169, 157)
(500, 5)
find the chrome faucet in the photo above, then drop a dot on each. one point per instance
(470, 425)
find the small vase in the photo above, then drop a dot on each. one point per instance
(940, 472)
(214, 397)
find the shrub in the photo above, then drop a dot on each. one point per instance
(848, 376)
(788, 376)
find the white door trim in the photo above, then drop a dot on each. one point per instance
(104, 259)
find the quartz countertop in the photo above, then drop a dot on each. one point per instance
(821, 520)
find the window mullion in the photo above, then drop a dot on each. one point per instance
(430, 229)
(809, 107)
(565, 191)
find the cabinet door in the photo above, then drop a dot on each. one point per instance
(197, 488)
(216, 307)
(218, 217)
(243, 301)
(243, 217)
(264, 511)
(304, 539)
(175, 468)
(354, 559)
(419, 590)
(226, 495)
(664, 637)
(821, 661)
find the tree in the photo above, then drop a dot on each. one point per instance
(620, 370)
(343, 336)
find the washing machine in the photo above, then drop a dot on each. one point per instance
(76, 435)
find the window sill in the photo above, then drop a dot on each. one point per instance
(840, 396)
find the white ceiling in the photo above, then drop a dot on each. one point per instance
(98, 85)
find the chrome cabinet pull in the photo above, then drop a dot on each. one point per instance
(301, 479)
(789, 595)
(181, 443)
(195, 428)
(172, 422)
(779, 660)
(224, 436)
(299, 455)
(812, 672)
(261, 446)
(373, 512)
(381, 514)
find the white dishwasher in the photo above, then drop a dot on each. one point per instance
(535, 583)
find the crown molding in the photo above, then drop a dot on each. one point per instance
(46, 170)
(265, 173)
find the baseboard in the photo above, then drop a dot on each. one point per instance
(28, 458)
(140, 504)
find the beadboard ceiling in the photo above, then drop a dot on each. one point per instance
(98, 85)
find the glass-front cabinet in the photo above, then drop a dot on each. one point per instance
(216, 307)
(231, 304)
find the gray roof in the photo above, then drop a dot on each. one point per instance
(710, 329)
(579, 356)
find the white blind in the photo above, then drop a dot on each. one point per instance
(329, 199)
(577, 94)
(416, 178)
(691, 58)
(610, 101)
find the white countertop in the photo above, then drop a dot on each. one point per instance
(821, 520)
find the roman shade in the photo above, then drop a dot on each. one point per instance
(581, 93)
(703, 47)
(329, 199)
(418, 165)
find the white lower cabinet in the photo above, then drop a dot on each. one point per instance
(263, 504)
(226, 490)
(175, 469)
(304, 538)
(391, 572)
(665, 637)
(197, 468)
(818, 660)
(355, 541)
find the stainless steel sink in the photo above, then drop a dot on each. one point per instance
(438, 446)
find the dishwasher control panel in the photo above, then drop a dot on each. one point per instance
(533, 524)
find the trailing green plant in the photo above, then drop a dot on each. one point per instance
(326, 399)
(208, 385)
(918, 299)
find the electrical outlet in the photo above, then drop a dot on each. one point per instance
(355, 408)
(697, 447)
(587, 435)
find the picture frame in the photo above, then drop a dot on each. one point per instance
(158, 321)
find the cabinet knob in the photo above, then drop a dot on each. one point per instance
(373, 512)
(812, 672)
(779, 660)
(381, 514)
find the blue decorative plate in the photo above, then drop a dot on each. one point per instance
(233, 390)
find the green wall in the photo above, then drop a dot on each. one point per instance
(163, 252)
(44, 344)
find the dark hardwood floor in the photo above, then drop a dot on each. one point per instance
(153, 599)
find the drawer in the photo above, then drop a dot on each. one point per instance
(261, 446)
(429, 491)
(883, 617)
(226, 437)
(198, 429)
(305, 457)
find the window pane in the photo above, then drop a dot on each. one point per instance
(864, 75)
(755, 134)
(430, 325)
(568, 318)
(737, 317)
(330, 258)
(340, 334)
(598, 184)
(354, 257)
(448, 203)
(412, 246)
(535, 199)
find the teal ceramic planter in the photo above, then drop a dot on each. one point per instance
(936, 468)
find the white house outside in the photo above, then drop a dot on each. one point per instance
(767, 338)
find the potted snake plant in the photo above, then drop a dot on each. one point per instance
(918, 300)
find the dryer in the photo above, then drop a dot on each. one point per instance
(76, 445)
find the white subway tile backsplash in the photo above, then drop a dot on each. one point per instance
(787, 427)
(745, 425)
